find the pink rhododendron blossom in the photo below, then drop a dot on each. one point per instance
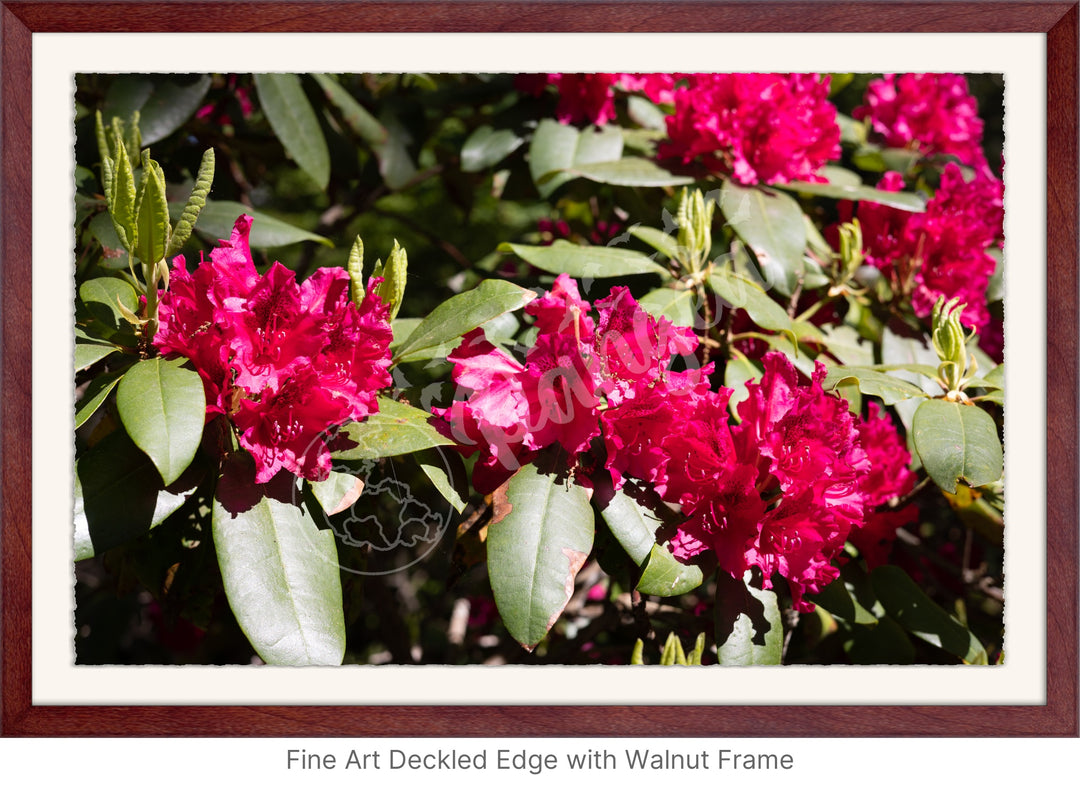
(590, 98)
(933, 113)
(285, 362)
(941, 252)
(757, 128)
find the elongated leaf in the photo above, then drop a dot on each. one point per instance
(957, 441)
(194, 206)
(103, 298)
(163, 408)
(913, 610)
(535, 552)
(395, 429)
(556, 147)
(586, 261)
(909, 202)
(395, 164)
(337, 492)
(486, 147)
(96, 393)
(152, 213)
(122, 202)
(741, 292)
(634, 527)
(119, 495)
(874, 383)
(87, 355)
(748, 627)
(447, 472)
(655, 238)
(359, 120)
(217, 218)
(678, 305)
(283, 583)
(628, 172)
(462, 313)
(169, 106)
(771, 225)
(294, 122)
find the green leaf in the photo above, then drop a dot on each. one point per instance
(293, 120)
(838, 600)
(740, 292)
(534, 552)
(848, 191)
(87, 355)
(103, 296)
(628, 172)
(119, 495)
(96, 393)
(771, 225)
(163, 408)
(462, 313)
(395, 165)
(748, 627)
(169, 106)
(634, 526)
(957, 441)
(486, 147)
(556, 148)
(586, 261)
(913, 610)
(447, 473)
(645, 113)
(363, 124)
(152, 213)
(196, 202)
(738, 371)
(395, 429)
(218, 217)
(678, 305)
(282, 581)
(655, 238)
(337, 492)
(873, 383)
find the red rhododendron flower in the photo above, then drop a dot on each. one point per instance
(590, 98)
(931, 112)
(941, 252)
(284, 362)
(757, 128)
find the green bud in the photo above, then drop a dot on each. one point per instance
(950, 343)
(694, 218)
(355, 266)
(851, 249)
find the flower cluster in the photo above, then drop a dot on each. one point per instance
(941, 252)
(590, 98)
(932, 112)
(782, 490)
(283, 361)
(757, 128)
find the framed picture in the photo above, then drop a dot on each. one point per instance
(917, 678)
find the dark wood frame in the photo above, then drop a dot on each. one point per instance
(19, 20)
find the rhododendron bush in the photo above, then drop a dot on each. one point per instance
(696, 369)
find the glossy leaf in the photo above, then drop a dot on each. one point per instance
(486, 147)
(536, 550)
(169, 106)
(628, 172)
(657, 239)
(748, 627)
(293, 120)
(163, 408)
(463, 313)
(873, 383)
(218, 217)
(282, 581)
(770, 223)
(586, 261)
(359, 120)
(556, 148)
(87, 355)
(103, 296)
(913, 610)
(395, 429)
(957, 441)
(337, 492)
(119, 495)
(96, 393)
(909, 202)
(678, 305)
(634, 527)
(740, 292)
